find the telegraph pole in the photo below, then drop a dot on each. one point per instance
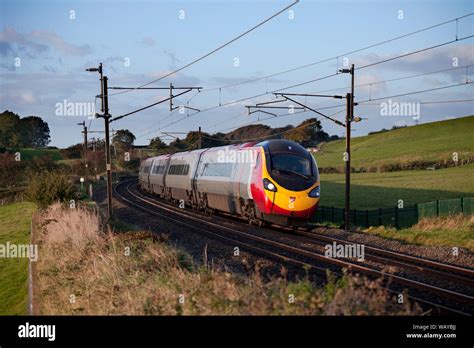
(108, 119)
(86, 167)
(199, 138)
(347, 124)
(349, 120)
(347, 157)
(106, 116)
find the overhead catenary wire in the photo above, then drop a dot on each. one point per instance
(415, 92)
(371, 100)
(394, 79)
(414, 52)
(328, 76)
(360, 85)
(214, 50)
(319, 79)
(340, 55)
(279, 133)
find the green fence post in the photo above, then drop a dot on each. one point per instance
(437, 207)
(462, 205)
(367, 218)
(322, 216)
(355, 216)
(380, 216)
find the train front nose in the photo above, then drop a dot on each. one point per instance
(298, 204)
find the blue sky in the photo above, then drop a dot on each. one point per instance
(54, 51)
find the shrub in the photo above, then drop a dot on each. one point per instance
(41, 164)
(48, 187)
(11, 172)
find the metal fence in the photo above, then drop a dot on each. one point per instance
(396, 217)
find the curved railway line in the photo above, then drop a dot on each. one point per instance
(445, 298)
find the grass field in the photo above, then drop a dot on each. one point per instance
(426, 142)
(27, 154)
(383, 190)
(157, 278)
(449, 231)
(15, 228)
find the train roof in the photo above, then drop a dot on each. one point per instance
(272, 145)
(283, 146)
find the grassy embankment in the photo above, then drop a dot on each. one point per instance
(452, 231)
(436, 141)
(14, 228)
(86, 271)
(383, 190)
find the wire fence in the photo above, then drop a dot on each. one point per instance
(396, 217)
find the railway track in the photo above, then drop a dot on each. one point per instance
(458, 302)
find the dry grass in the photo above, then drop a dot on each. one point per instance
(77, 258)
(450, 231)
(454, 222)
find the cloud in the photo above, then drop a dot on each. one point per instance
(173, 58)
(9, 67)
(5, 48)
(148, 41)
(37, 42)
(240, 82)
(53, 39)
(441, 58)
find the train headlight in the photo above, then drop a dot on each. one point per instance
(314, 193)
(269, 185)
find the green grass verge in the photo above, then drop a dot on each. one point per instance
(15, 228)
(28, 154)
(383, 190)
(434, 141)
(443, 231)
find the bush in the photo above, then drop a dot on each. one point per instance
(73, 151)
(133, 164)
(41, 164)
(12, 172)
(49, 187)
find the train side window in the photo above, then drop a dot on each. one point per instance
(179, 169)
(218, 169)
(257, 160)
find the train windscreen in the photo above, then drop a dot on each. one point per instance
(291, 165)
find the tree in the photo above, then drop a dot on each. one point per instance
(178, 145)
(73, 151)
(123, 141)
(34, 132)
(308, 133)
(124, 137)
(157, 144)
(12, 171)
(16, 132)
(10, 129)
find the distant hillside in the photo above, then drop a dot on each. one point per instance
(28, 154)
(436, 141)
(255, 131)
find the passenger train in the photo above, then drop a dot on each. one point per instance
(274, 181)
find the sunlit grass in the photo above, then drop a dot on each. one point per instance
(15, 222)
